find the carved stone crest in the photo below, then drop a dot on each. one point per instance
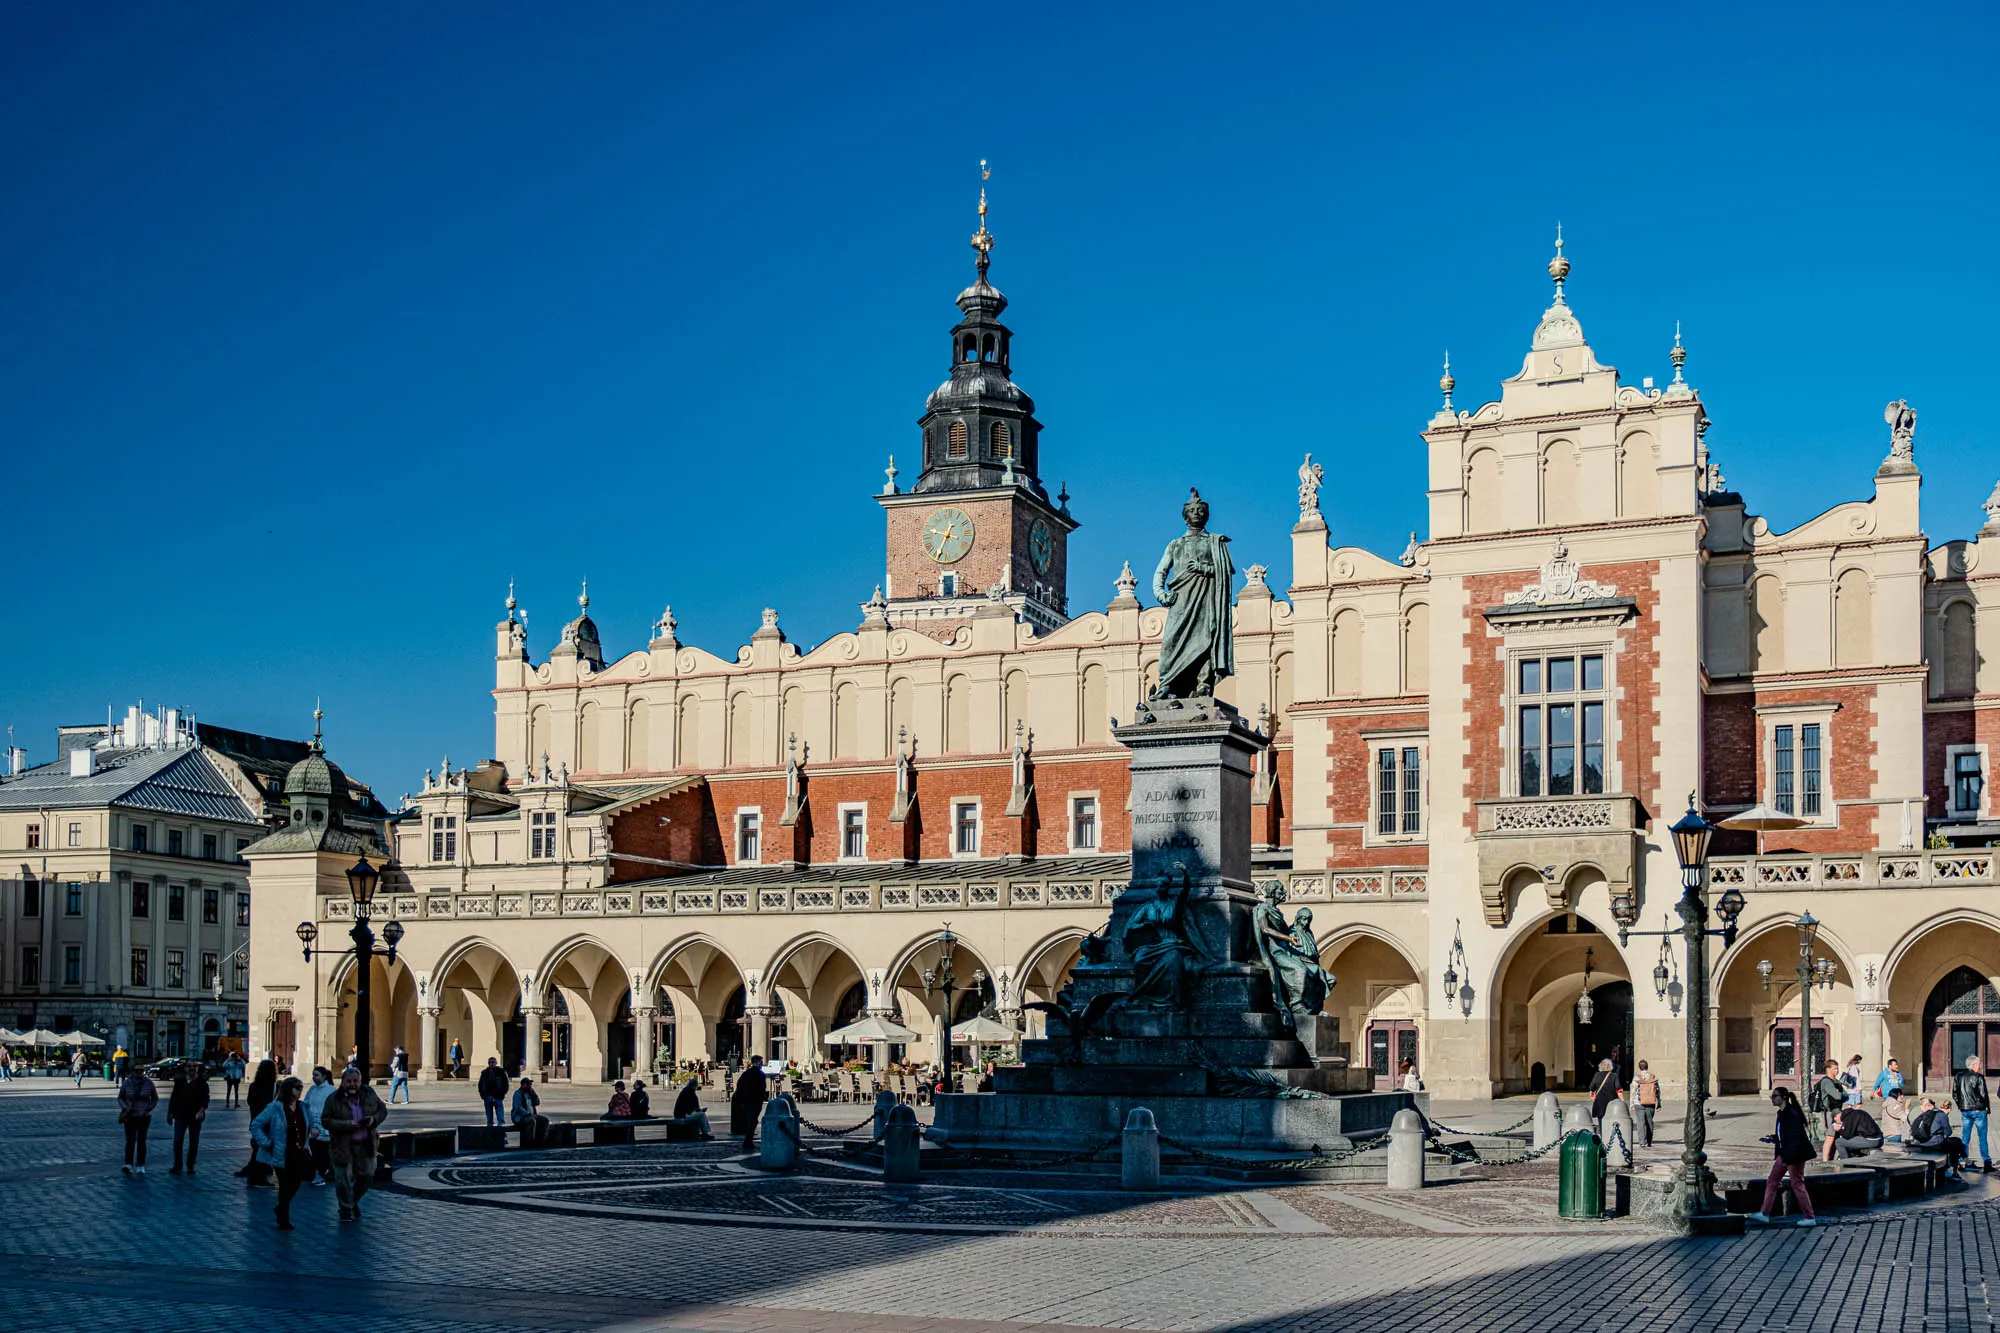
(1561, 583)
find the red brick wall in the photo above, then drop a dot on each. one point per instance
(1960, 726)
(1350, 771)
(1486, 684)
(1734, 768)
(691, 834)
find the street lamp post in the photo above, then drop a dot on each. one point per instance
(1696, 1205)
(1811, 970)
(362, 881)
(943, 978)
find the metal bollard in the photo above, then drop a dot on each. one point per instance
(902, 1145)
(1581, 1192)
(885, 1102)
(1139, 1162)
(1548, 1120)
(1406, 1151)
(778, 1137)
(1618, 1135)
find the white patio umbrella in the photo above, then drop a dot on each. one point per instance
(9, 1037)
(41, 1037)
(873, 1030)
(982, 1031)
(1762, 819)
(80, 1038)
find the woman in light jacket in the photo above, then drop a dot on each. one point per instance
(278, 1139)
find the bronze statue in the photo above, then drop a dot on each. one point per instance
(1291, 955)
(1194, 582)
(1162, 950)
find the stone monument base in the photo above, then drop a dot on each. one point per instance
(1059, 1122)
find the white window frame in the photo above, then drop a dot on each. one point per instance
(444, 840)
(755, 814)
(1398, 741)
(842, 811)
(1096, 819)
(75, 833)
(1527, 649)
(956, 804)
(1952, 810)
(1799, 716)
(542, 824)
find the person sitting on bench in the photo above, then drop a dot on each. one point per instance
(534, 1126)
(687, 1108)
(1852, 1133)
(1930, 1131)
(621, 1104)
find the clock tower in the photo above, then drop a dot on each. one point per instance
(978, 524)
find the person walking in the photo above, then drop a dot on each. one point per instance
(232, 1080)
(6, 1065)
(1603, 1091)
(187, 1107)
(136, 1099)
(493, 1091)
(457, 1059)
(350, 1118)
(77, 1066)
(313, 1105)
(120, 1061)
(527, 1115)
(1889, 1080)
(1645, 1103)
(399, 1075)
(746, 1104)
(1792, 1148)
(279, 1136)
(1851, 1078)
(263, 1091)
(1969, 1091)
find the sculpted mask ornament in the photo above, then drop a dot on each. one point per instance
(1561, 583)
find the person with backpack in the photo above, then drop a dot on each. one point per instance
(1850, 1077)
(1645, 1103)
(1968, 1089)
(1791, 1149)
(1930, 1131)
(1829, 1094)
(1852, 1132)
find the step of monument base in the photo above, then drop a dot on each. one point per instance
(1175, 1080)
(1065, 1122)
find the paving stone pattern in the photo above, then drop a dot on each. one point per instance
(85, 1248)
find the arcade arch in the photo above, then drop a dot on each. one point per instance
(1759, 1045)
(1943, 996)
(1378, 998)
(1538, 1039)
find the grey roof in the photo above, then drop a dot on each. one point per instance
(899, 872)
(173, 782)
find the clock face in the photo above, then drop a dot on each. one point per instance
(947, 535)
(1041, 546)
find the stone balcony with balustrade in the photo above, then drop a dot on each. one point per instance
(1552, 838)
(1908, 869)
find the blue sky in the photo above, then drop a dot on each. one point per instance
(318, 325)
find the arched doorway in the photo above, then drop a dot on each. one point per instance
(1539, 1038)
(621, 1036)
(556, 1047)
(1759, 1045)
(1961, 1021)
(1378, 1000)
(731, 1035)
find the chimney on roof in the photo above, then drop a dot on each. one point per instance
(17, 760)
(82, 762)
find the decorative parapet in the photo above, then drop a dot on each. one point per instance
(1854, 870)
(1377, 884)
(1545, 840)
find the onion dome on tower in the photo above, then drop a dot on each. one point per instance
(580, 635)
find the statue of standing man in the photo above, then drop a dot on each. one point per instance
(1194, 582)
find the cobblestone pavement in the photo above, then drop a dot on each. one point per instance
(86, 1248)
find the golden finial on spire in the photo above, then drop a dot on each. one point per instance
(982, 240)
(1559, 266)
(1679, 355)
(1446, 382)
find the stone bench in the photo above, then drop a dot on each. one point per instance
(562, 1134)
(1896, 1177)
(1831, 1185)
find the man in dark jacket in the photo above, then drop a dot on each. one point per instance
(187, 1107)
(351, 1118)
(746, 1103)
(493, 1091)
(1969, 1091)
(1853, 1131)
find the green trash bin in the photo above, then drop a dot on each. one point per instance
(1582, 1191)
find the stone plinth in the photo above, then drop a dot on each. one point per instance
(1201, 1042)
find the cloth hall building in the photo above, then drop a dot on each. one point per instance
(1475, 751)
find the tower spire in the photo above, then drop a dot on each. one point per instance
(1445, 381)
(318, 745)
(1679, 355)
(982, 240)
(1559, 266)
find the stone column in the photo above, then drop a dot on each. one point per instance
(1874, 1046)
(1714, 1050)
(531, 1057)
(760, 1031)
(642, 1041)
(427, 1047)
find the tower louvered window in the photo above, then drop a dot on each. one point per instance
(1003, 440)
(955, 441)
